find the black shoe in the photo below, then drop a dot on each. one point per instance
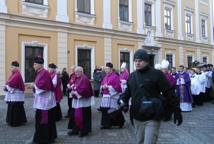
(99, 109)
(71, 133)
(67, 116)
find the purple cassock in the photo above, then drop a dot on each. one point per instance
(43, 80)
(44, 94)
(111, 93)
(183, 90)
(15, 88)
(14, 96)
(72, 78)
(71, 81)
(170, 79)
(82, 88)
(113, 81)
(111, 116)
(57, 86)
(124, 75)
(15, 81)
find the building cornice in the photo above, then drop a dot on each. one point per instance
(184, 43)
(51, 25)
(170, 2)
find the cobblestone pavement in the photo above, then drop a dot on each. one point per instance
(197, 128)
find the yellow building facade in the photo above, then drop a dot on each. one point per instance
(92, 32)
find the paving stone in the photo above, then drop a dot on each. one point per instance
(197, 128)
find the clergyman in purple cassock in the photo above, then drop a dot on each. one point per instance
(124, 75)
(56, 80)
(14, 96)
(111, 89)
(70, 87)
(183, 89)
(170, 79)
(44, 103)
(81, 103)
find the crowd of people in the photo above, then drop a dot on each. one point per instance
(119, 92)
(192, 85)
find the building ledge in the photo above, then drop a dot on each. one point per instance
(125, 25)
(169, 33)
(189, 36)
(35, 9)
(85, 18)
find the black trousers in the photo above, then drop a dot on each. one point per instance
(86, 113)
(45, 133)
(115, 118)
(16, 114)
(58, 112)
(197, 100)
(69, 106)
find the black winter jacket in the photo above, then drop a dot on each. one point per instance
(155, 83)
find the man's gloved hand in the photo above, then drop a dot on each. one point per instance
(178, 117)
(120, 102)
(122, 105)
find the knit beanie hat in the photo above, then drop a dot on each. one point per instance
(142, 55)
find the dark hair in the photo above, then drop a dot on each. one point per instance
(52, 65)
(182, 66)
(108, 64)
(15, 63)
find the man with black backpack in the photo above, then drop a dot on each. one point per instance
(151, 95)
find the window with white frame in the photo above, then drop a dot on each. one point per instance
(148, 14)
(84, 6)
(203, 28)
(169, 58)
(35, 1)
(188, 23)
(168, 18)
(125, 57)
(30, 53)
(189, 61)
(124, 10)
(84, 60)
(204, 59)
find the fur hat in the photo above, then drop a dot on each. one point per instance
(164, 64)
(123, 65)
(158, 66)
